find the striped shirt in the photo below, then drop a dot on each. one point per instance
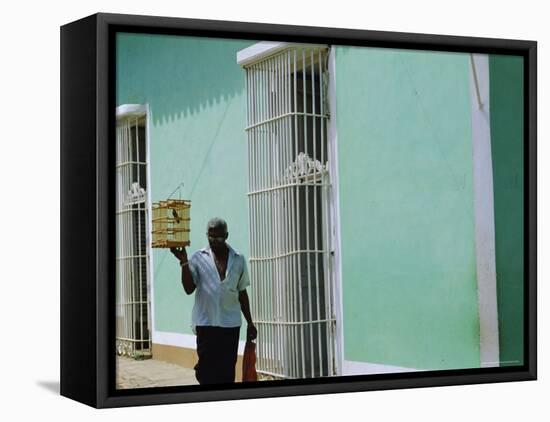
(216, 301)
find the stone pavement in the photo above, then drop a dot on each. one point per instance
(151, 373)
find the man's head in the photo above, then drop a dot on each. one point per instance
(216, 232)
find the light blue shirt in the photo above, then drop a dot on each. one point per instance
(217, 302)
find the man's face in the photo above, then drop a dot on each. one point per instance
(216, 239)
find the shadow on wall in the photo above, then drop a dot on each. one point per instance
(177, 75)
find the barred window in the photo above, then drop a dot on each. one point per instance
(289, 194)
(132, 252)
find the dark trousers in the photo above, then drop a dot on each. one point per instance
(217, 350)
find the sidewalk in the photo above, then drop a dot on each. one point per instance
(132, 373)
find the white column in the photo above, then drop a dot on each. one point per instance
(484, 210)
(336, 246)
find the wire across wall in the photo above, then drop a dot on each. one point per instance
(289, 213)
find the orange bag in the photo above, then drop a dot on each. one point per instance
(249, 362)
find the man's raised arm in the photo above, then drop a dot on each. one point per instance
(186, 277)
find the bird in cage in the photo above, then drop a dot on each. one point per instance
(176, 216)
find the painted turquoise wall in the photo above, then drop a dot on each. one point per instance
(196, 93)
(506, 102)
(406, 208)
(405, 161)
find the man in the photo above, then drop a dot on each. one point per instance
(219, 276)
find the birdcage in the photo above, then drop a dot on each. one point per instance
(171, 222)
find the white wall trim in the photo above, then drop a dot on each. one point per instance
(150, 281)
(188, 341)
(264, 49)
(366, 368)
(484, 210)
(336, 246)
(131, 110)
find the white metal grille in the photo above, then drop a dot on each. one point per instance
(289, 191)
(132, 252)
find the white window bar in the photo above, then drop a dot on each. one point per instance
(289, 189)
(132, 259)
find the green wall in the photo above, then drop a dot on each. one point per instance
(196, 93)
(406, 208)
(405, 162)
(506, 102)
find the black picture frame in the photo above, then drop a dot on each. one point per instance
(87, 207)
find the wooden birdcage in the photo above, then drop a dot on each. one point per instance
(171, 223)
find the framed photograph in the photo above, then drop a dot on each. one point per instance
(253, 210)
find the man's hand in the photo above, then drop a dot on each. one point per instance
(251, 332)
(180, 253)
